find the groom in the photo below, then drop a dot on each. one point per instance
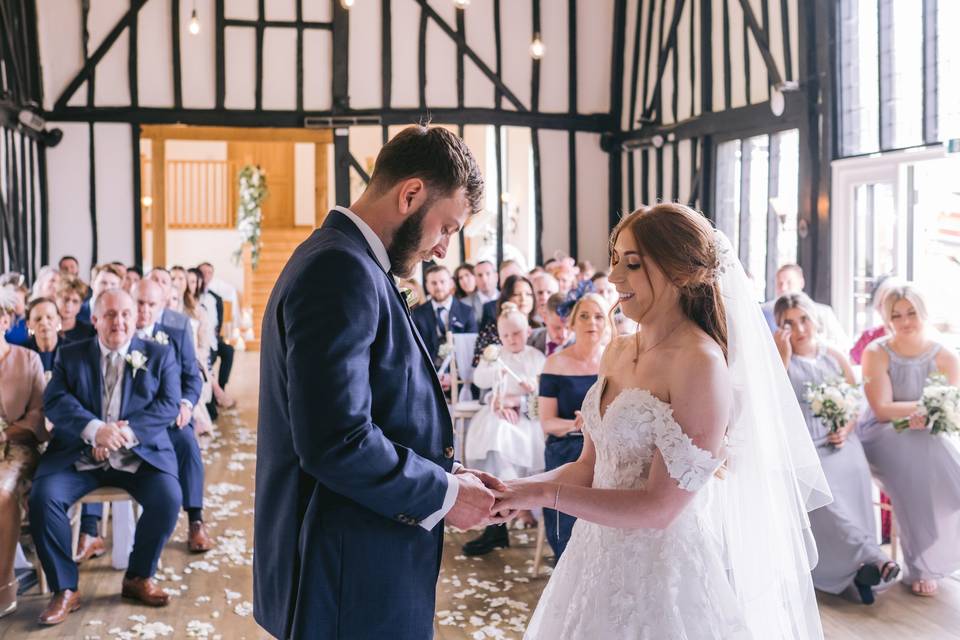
(355, 469)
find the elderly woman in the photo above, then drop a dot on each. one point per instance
(16, 331)
(22, 428)
(43, 321)
(46, 284)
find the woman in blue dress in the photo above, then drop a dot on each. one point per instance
(566, 378)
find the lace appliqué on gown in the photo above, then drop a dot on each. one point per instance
(642, 583)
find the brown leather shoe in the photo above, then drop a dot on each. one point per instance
(145, 590)
(89, 547)
(199, 541)
(62, 604)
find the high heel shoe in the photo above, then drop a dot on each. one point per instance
(6, 610)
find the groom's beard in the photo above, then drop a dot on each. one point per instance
(404, 251)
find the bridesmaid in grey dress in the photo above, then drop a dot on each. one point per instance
(845, 530)
(919, 471)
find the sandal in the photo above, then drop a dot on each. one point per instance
(867, 577)
(889, 572)
(915, 589)
(7, 609)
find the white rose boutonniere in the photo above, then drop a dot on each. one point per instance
(137, 361)
(161, 338)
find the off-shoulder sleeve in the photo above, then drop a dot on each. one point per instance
(686, 463)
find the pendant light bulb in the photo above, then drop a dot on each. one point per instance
(461, 4)
(194, 23)
(346, 4)
(537, 49)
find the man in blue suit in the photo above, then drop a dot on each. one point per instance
(150, 301)
(443, 313)
(355, 468)
(110, 400)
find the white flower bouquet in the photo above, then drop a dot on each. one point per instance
(940, 402)
(835, 402)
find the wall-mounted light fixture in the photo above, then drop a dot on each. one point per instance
(537, 49)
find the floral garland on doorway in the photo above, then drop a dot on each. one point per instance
(253, 189)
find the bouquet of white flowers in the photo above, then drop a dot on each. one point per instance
(940, 402)
(835, 402)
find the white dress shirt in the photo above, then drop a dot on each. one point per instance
(380, 251)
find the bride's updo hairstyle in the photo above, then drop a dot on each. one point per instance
(681, 243)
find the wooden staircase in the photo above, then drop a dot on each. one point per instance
(276, 247)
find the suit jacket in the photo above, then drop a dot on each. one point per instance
(175, 320)
(538, 340)
(354, 442)
(181, 341)
(460, 320)
(74, 397)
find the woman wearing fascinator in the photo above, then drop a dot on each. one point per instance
(697, 471)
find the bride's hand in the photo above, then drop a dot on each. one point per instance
(520, 495)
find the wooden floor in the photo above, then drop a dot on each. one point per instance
(477, 598)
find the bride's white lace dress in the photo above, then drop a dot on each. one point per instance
(642, 583)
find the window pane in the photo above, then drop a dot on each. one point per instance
(784, 195)
(875, 244)
(727, 214)
(902, 103)
(859, 93)
(948, 69)
(754, 199)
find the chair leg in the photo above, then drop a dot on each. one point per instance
(103, 520)
(894, 553)
(75, 528)
(538, 553)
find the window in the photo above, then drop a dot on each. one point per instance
(756, 203)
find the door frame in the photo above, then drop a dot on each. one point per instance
(159, 134)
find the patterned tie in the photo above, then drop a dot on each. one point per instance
(112, 376)
(441, 322)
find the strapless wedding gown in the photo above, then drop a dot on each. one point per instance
(642, 583)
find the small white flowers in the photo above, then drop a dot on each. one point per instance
(940, 402)
(491, 353)
(161, 338)
(835, 402)
(137, 361)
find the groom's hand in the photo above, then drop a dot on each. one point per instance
(473, 504)
(489, 481)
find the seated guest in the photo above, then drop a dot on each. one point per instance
(21, 412)
(504, 439)
(168, 316)
(444, 312)
(790, 280)
(195, 306)
(555, 334)
(70, 296)
(519, 291)
(487, 290)
(567, 376)
(544, 286)
(221, 291)
(845, 530)
(111, 401)
(605, 289)
(132, 278)
(46, 284)
(211, 305)
(509, 268)
(465, 280)
(490, 310)
(105, 276)
(566, 274)
(43, 322)
(920, 472)
(16, 332)
(178, 280)
(585, 270)
(149, 299)
(69, 266)
(883, 284)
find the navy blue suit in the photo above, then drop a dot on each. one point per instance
(184, 441)
(354, 442)
(74, 397)
(461, 320)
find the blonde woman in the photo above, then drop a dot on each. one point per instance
(920, 472)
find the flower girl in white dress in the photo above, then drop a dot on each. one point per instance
(696, 468)
(503, 439)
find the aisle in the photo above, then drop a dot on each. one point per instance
(477, 598)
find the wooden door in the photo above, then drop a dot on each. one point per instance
(276, 160)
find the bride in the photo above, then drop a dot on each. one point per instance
(697, 472)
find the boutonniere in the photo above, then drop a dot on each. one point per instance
(161, 338)
(409, 296)
(137, 362)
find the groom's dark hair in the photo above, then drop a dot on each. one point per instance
(436, 156)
